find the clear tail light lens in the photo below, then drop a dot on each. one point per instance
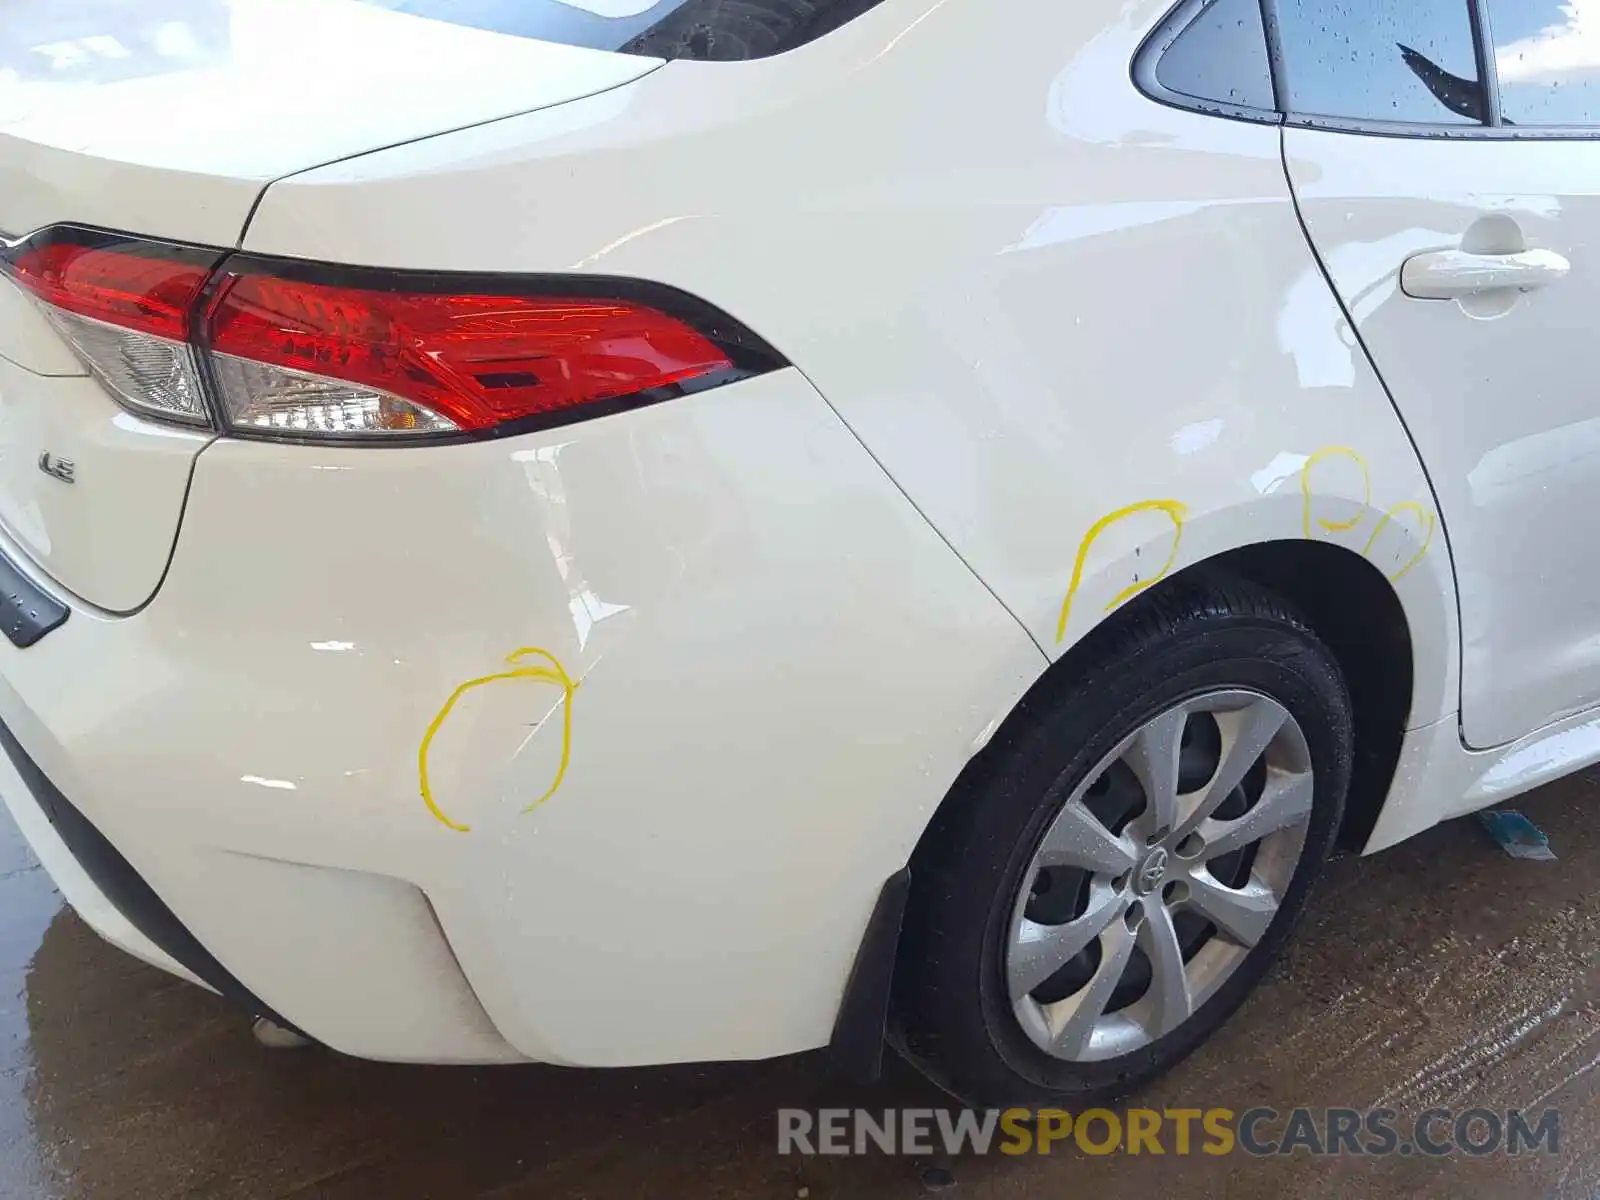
(152, 375)
(289, 349)
(273, 398)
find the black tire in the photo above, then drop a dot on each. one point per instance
(954, 1019)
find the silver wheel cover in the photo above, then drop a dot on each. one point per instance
(1138, 885)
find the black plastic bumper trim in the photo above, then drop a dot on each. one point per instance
(27, 611)
(858, 1030)
(125, 888)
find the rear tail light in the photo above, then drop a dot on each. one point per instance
(125, 308)
(289, 349)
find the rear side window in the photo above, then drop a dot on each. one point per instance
(709, 30)
(1412, 61)
(1455, 67)
(1221, 55)
(1547, 55)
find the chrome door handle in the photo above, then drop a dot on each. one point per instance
(1452, 274)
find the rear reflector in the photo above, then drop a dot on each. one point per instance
(275, 348)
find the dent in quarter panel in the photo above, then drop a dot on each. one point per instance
(1160, 341)
(780, 670)
(1037, 301)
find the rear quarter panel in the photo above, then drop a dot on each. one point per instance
(1083, 334)
(1081, 330)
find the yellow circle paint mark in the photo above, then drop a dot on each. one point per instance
(1429, 522)
(554, 673)
(1175, 510)
(1305, 488)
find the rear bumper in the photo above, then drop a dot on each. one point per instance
(82, 891)
(777, 669)
(101, 885)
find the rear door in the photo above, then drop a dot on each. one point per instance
(165, 119)
(1462, 233)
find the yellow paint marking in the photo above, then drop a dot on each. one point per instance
(1429, 522)
(1305, 488)
(1172, 508)
(555, 673)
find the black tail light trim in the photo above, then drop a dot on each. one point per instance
(748, 353)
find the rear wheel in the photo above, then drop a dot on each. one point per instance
(1110, 882)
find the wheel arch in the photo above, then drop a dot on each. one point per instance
(1354, 608)
(1343, 597)
(1349, 602)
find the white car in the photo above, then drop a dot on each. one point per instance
(620, 532)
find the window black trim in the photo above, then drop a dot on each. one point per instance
(1488, 70)
(1484, 25)
(1270, 27)
(1166, 31)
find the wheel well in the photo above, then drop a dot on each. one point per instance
(1353, 608)
(1350, 605)
(1347, 602)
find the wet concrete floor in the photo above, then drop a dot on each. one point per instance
(1442, 973)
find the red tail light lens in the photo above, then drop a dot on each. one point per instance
(477, 360)
(129, 289)
(301, 350)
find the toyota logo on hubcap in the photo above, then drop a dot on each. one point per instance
(1152, 871)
